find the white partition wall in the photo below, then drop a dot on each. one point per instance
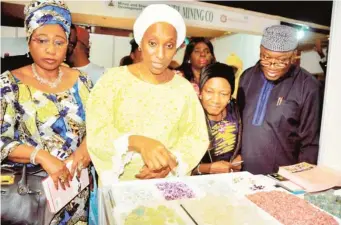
(330, 141)
(179, 56)
(7, 32)
(102, 50)
(245, 46)
(310, 62)
(13, 46)
(13, 41)
(122, 48)
(107, 50)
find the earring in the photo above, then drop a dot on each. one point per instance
(189, 61)
(27, 55)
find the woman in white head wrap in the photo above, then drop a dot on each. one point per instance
(143, 121)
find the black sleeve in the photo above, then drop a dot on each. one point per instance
(309, 128)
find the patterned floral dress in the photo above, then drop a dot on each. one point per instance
(54, 122)
(225, 136)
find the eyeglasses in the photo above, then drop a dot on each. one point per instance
(44, 43)
(277, 63)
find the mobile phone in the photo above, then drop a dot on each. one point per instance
(277, 177)
(286, 184)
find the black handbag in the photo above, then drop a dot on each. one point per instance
(24, 202)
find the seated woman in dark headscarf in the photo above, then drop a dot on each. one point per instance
(223, 120)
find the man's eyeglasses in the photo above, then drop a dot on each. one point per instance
(44, 43)
(278, 63)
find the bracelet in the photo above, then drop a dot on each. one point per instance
(33, 156)
(198, 170)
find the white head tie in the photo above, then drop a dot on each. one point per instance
(159, 13)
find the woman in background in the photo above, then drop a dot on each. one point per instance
(198, 54)
(223, 120)
(143, 121)
(43, 115)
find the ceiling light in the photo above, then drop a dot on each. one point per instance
(300, 34)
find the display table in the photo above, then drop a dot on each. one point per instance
(220, 197)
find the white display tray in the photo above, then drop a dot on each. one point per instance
(122, 198)
(129, 195)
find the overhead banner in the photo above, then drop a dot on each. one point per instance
(194, 13)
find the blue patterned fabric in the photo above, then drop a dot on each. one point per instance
(93, 202)
(54, 122)
(43, 12)
(263, 99)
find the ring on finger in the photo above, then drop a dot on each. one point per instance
(80, 166)
(62, 178)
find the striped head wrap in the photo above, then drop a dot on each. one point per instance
(43, 12)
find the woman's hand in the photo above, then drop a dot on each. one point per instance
(146, 173)
(220, 167)
(80, 160)
(56, 169)
(154, 154)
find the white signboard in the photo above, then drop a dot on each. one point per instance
(195, 14)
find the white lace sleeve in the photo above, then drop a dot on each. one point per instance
(181, 169)
(119, 161)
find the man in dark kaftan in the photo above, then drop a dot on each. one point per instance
(280, 105)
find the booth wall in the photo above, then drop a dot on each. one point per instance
(330, 141)
(102, 50)
(107, 50)
(179, 56)
(121, 48)
(245, 46)
(13, 41)
(13, 46)
(310, 62)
